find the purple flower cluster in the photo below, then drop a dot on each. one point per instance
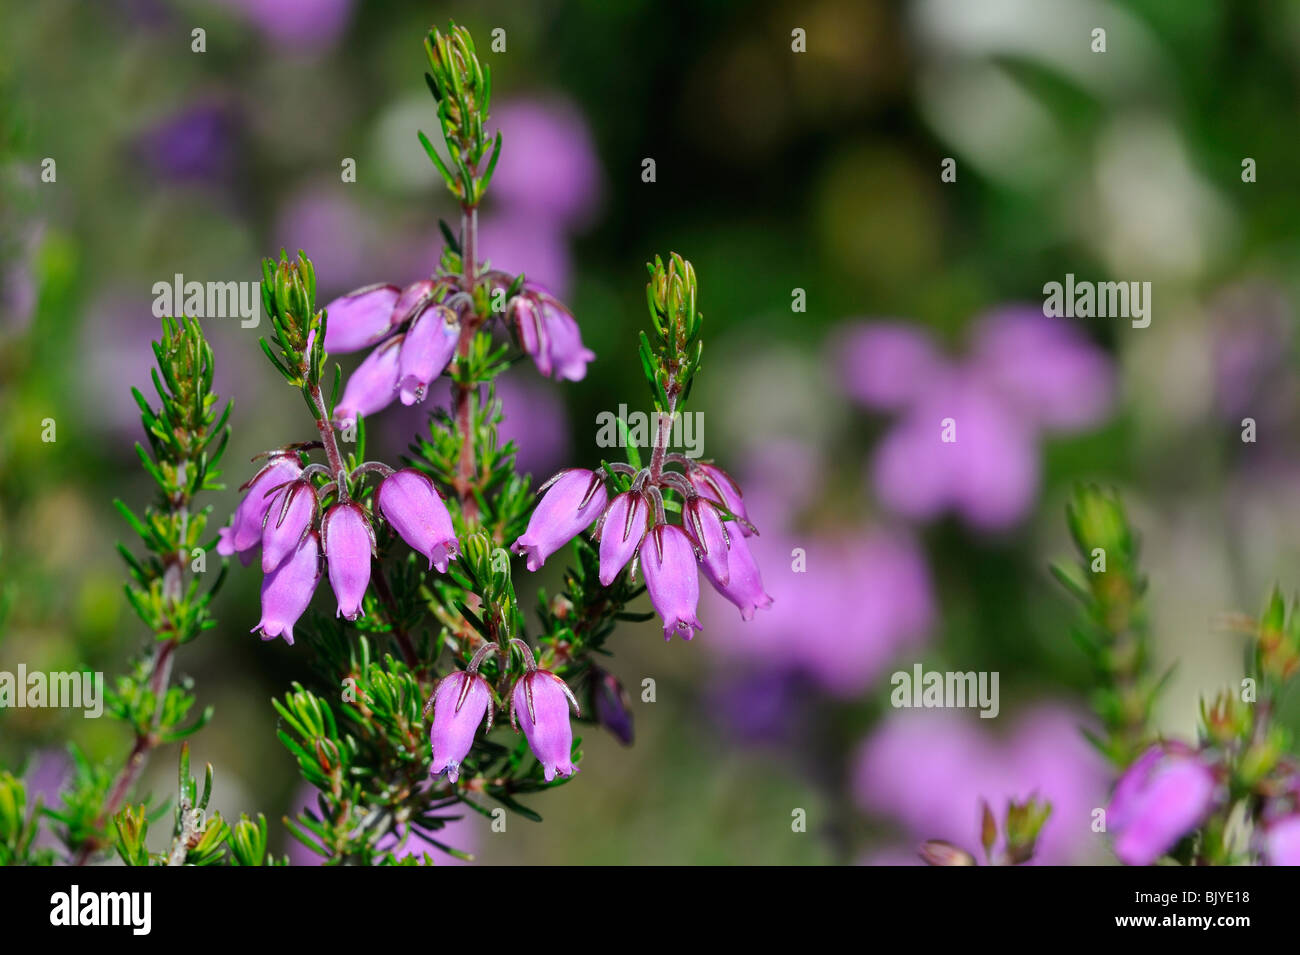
(633, 528)
(929, 769)
(539, 703)
(868, 585)
(281, 513)
(414, 335)
(1025, 375)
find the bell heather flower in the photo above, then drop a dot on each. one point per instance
(372, 386)
(348, 542)
(743, 586)
(716, 485)
(245, 531)
(549, 333)
(704, 525)
(572, 501)
(287, 590)
(566, 356)
(1165, 794)
(621, 528)
(293, 509)
(526, 315)
(540, 704)
(427, 348)
(411, 504)
(413, 300)
(668, 564)
(460, 703)
(359, 319)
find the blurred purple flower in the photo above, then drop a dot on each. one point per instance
(199, 143)
(18, 250)
(299, 25)
(759, 706)
(1282, 842)
(117, 329)
(841, 611)
(47, 772)
(1165, 794)
(343, 241)
(1025, 375)
(548, 167)
(1251, 328)
(929, 769)
(612, 707)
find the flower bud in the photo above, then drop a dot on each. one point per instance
(622, 526)
(245, 531)
(540, 704)
(671, 577)
(704, 526)
(1165, 794)
(716, 484)
(290, 517)
(744, 586)
(372, 386)
(460, 703)
(411, 504)
(349, 542)
(575, 499)
(938, 852)
(359, 319)
(287, 590)
(427, 348)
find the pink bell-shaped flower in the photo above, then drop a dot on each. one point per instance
(359, 319)
(622, 526)
(671, 577)
(573, 500)
(411, 504)
(349, 543)
(287, 590)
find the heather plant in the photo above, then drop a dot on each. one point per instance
(430, 640)
(1231, 796)
(428, 690)
(397, 728)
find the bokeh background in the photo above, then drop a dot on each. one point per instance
(776, 171)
